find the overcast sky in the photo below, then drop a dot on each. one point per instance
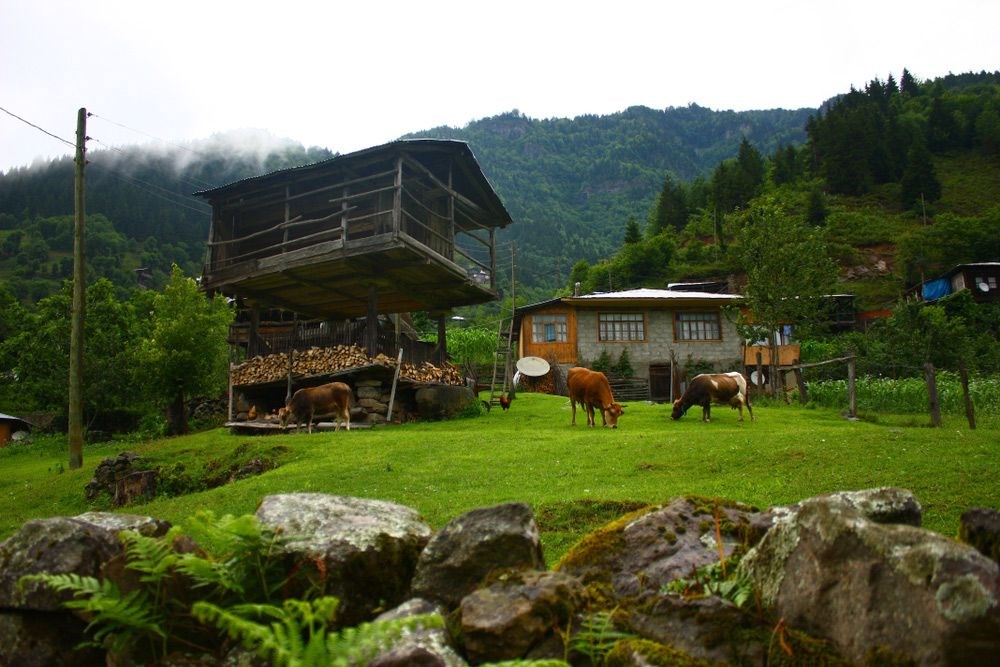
(348, 75)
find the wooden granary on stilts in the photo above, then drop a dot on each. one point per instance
(338, 253)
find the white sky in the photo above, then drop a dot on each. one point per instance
(346, 75)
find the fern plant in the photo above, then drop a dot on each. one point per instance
(298, 634)
(597, 636)
(243, 564)
(115, 620)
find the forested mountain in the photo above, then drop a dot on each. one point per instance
(901, 176)
(898, 179)
(569, 184)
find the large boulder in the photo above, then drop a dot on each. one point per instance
(81, 545)
(518, 612)
(829, 569)
(34, 627)
(368, 549)
(638, 554)
(474, 544)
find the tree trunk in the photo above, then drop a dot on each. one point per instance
(177, 416)
(970, 412)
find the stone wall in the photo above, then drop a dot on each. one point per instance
(840, 579)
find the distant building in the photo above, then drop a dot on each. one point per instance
(9, 426)
(982, 279)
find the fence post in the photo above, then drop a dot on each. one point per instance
(803, 396)
(932, 395)
(759, 384)
(395, 381)
(852, 392)
(970, 412)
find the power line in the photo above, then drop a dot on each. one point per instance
(40, 129)
(146, 134)
(144, 185)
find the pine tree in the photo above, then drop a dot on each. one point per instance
(632, 232)
(919, 182)
(671, 209)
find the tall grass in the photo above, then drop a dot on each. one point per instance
(909, 395)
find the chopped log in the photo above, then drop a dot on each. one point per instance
(321, 360)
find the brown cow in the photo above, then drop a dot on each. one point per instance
(591, 390)
(322, 401)
(723, 388)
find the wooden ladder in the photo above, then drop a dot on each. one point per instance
(501, 360)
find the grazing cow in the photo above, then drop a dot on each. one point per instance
(591, 390)
(322, 401)
(723, 388)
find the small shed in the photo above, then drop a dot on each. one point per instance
(10, 425)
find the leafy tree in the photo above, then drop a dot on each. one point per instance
(789, 272)
(471, 348)
(951, 240)
(41, 350)
(187, 354)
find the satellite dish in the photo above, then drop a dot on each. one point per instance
(532, 366)
(983, 287)
(757, 380)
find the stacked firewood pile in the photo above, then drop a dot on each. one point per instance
(320, 360)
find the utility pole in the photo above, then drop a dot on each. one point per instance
(79, 301)
(510, 330)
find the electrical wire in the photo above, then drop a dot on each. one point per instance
(151, 188)
(40, 129)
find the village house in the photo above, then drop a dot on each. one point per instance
(667, 333)
(982, 279)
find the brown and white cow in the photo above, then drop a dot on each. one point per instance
(591, 390)
(723, 388)
(322, 401)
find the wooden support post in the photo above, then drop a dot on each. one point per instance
(970, 412)
(932, 395)
(395, 381)
(371, 323)
(288, 387)
(253, 345)
(852, 392)
(442, 344)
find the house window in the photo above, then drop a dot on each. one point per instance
(621, 326)
(697, 326)
(548, 329)
(989, 281)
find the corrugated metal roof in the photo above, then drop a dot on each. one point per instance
(13, 418)
(654, 294)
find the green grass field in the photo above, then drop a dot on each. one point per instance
(575, 478)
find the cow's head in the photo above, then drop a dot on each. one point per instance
(678, 410)
(612, 413)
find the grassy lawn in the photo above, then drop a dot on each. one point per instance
(575, 478)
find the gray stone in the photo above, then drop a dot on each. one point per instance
(979, 527)
(641, 552)
(368, 391)
(443, 401)
(368, 548)
(828, 569)
(701, 627)
(80, 545)
(474, 544)
(41, 639)
(516, 613)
